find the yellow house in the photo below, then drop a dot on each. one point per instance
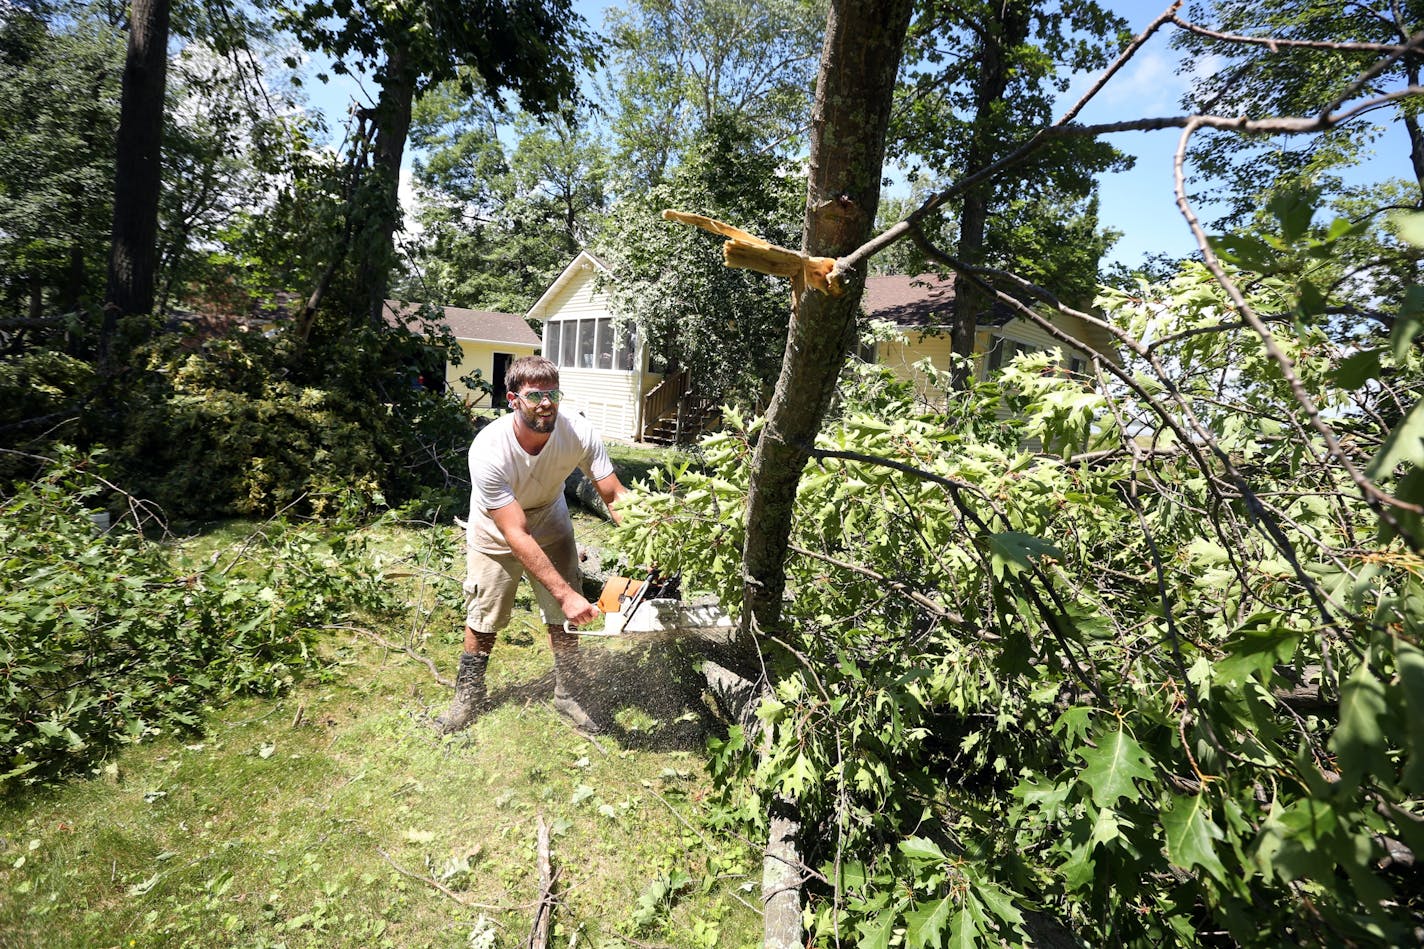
(921, 308)
(489, 341)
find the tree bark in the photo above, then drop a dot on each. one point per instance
(1006, 29)
(864, 42)
(138, 167)
(854, 90)
(382, 210)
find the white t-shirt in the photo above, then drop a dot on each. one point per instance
(501, 471)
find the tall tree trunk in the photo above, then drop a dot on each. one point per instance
(138, 167)
(864, 42)
(1404, 29)
(71, 289)
(1416, 136)
(859, 62)
(376, 242)
(1006, 29)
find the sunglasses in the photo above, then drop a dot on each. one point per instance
(534, 396)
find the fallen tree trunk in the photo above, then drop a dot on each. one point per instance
(781, 876)
(781, 881)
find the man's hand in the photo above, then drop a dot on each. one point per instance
(576, 609)
(611, 489)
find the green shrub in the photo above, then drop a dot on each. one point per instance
(104, 639)
(40, 392)
(249, 426)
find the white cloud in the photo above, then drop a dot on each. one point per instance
(1149, 85)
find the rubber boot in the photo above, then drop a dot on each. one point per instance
(569, 682)
(470, 696)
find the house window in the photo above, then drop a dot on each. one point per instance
(625, 348)
(551, 340)
(587, 332)
(603, 345)
(568, 346)
(590, 344)
(1004, 350)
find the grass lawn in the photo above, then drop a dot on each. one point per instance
(333, 816)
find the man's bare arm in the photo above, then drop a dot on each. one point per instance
(514, 527)
(611, 489)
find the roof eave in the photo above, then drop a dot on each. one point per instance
(584, 260)
(500, 342)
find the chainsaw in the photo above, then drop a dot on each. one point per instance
(658, 596)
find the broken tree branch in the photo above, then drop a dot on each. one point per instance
(544, 910)
(442, 888)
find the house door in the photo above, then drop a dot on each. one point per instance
(501, 366)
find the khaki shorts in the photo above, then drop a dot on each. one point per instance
(491, 580)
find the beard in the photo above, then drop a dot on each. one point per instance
(543, 424)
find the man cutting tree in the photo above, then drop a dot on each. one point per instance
(519, 523)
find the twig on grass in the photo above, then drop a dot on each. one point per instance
(431, 881)
(684, 820)
(423, 660)
(544, 912)
(705, 841)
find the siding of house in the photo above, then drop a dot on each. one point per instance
(477, 354)
(913, 346)
(609, 398)
(900, 355)
(1037, 337)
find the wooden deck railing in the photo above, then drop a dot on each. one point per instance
(662, 400)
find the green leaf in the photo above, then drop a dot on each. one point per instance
(1409, 661)
(926, 923)
(999, 903)
(800, 776)
(1408, 324)
(1112, 766)
(918, 848)
(876, 933)
(1359, 740)
(1410, 227)
(1014, 553)
(1190, 833)
(1250, 253)
(1312, 302)
(1344, 227)
(1079, 870)
(1296, 843)
(1356, 369)
(1256, 647)
(1293, 208)
(965, 934)
(1106, 828)
(1073, 723)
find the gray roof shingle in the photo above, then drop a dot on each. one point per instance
(488, 326)
(924, 300)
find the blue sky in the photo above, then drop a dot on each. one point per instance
(1139, 203)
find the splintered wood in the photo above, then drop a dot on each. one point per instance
(744, 251)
